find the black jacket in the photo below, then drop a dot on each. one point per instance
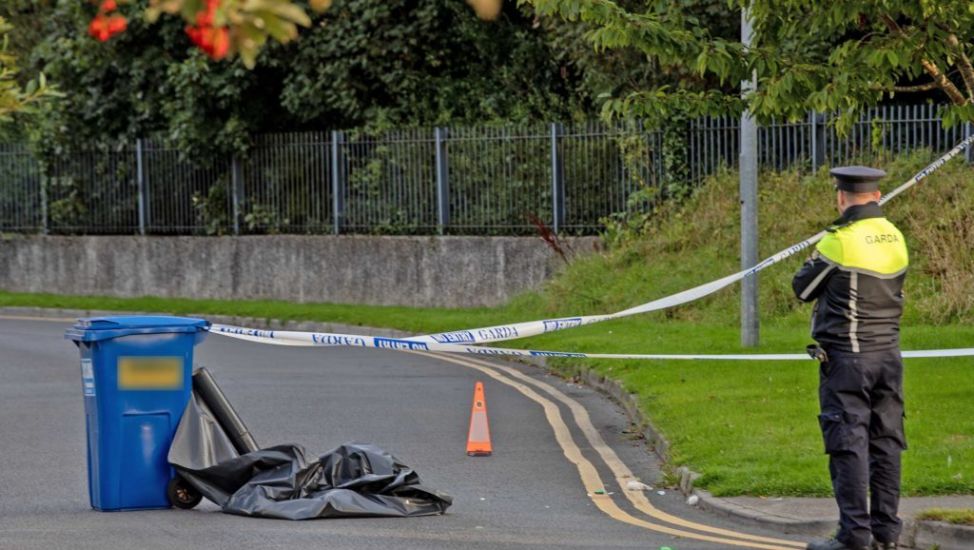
(856, 274)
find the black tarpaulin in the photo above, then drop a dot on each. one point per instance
(353, 480)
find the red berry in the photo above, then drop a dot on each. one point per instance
(220, 43)
(98, 28)
(195, 35)
(117, 24)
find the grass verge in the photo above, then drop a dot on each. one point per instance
(963, 516)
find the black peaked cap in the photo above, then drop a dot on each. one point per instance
(857, 179)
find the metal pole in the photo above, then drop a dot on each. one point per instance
(140, 175)
(557, 180)
(813, 139)
(442, 181)
(237, 192)
(968, 131)
(44, 215)
(819, 137)
(750, 326)
(337, 182)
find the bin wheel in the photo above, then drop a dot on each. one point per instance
(181, 494)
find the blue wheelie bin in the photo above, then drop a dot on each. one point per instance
(136, 376)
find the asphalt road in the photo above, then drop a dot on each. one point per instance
(535, 491)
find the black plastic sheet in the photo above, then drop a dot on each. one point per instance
(353, 480)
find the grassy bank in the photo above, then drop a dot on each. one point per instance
(749, 427)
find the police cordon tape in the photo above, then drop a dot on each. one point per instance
(454, 341)
(332, 339)
(532, 328)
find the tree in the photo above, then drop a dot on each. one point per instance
(836, 55)
(362, 63)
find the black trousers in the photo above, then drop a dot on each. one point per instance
(861, 397)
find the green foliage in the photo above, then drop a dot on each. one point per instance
(835, 56)
(598, 75)
(389, 62)
(263, 218)
(209, 108)
(211, 209)
(14, 97)
(68, 210)
(676, 161)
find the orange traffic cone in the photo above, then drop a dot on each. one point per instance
(478, 439)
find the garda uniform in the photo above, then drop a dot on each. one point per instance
(856, 277)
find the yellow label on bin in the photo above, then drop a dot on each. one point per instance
(150, 373)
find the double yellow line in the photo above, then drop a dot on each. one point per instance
(590, 477)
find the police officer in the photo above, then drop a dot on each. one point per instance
(856, 277)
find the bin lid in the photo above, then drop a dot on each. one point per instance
(94, 329)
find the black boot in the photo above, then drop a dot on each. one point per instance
(832, 544)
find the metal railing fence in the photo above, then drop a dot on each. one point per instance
(466, 180)
(22, 196)
(176, 197)
(91, 193)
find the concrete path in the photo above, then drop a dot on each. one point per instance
(824, 509)
(818, 517)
